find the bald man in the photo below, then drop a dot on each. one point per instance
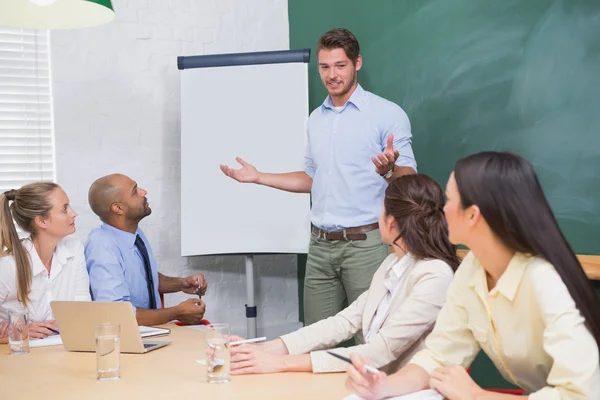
(120, 260)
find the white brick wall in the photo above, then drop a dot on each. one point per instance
(116, 102)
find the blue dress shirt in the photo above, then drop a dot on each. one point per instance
(347, 191)
(116, 267)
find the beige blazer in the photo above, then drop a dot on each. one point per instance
(410, 317)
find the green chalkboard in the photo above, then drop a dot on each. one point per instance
(473, 75)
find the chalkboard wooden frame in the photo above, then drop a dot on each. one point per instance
(590, 264)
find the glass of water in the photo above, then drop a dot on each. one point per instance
(108, 351)
(217, 353)
(18, 331)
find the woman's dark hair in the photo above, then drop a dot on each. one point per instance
(416, 202)
(510, 198)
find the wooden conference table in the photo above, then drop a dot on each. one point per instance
(168, 372)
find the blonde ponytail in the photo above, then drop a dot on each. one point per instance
(10, 244)
(27, 203)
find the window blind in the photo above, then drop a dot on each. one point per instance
(26, 125)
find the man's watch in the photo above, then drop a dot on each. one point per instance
(389, 174)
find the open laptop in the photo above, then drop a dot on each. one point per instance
(77, 320)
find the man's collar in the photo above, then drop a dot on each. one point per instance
(124, 237)
(357, 99)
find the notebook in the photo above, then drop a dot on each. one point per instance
(420, 395)
(55, 340)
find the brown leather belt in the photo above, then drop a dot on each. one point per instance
(357, 233)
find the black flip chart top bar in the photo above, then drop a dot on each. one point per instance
(226, 60)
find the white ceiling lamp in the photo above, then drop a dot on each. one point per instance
(55, 14)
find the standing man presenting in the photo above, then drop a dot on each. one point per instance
(357, 143)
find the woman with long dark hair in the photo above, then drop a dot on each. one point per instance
(400, 307)
(521, 296)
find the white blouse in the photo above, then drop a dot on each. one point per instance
(68, 279)
(393, 280)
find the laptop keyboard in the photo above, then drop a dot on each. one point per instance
(147, 345)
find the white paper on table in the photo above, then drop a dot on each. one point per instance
(149, 331)
(54, 340)
(196, 327)
(420, 395)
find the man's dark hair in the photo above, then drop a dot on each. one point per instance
(340, 38)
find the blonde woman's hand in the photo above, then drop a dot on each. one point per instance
(3, 329)
(41, 330)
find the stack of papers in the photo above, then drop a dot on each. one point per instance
(421, 395)
(55, 340)
(148, 331)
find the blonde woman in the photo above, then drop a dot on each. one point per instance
(48, 264)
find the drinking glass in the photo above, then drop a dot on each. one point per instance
(217, 353)
(18, 331)
(108, 351)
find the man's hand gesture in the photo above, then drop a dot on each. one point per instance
(385, 161)
(246, 174)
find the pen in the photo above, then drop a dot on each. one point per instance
(258, 339)
(199, 294)
(55, 331)
(370, 370)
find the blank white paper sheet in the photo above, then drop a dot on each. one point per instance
(259, 113)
